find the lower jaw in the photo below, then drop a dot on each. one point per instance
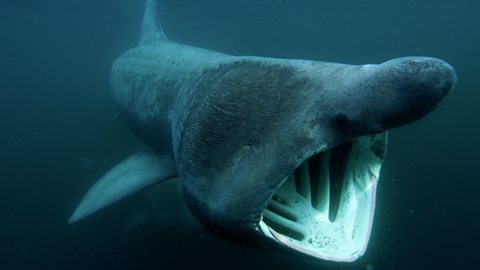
(325, 208)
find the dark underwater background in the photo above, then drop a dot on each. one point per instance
(58, 132)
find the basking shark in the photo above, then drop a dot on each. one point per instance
(271, 153)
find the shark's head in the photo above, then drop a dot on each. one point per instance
(288, 154)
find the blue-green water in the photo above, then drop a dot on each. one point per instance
(57, 133)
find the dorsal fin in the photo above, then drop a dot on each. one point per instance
(152, 31)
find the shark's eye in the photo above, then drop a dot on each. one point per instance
(341, 121)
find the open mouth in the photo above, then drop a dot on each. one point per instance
(325, 207)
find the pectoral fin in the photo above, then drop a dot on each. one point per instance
(129, 176)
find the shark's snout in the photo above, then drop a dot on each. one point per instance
(403, 90)
(447, 77)
(430, 78)
(422, 82)
(389, 95)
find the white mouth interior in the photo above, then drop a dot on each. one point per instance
(325, 208)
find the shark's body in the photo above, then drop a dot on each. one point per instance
(270, 152)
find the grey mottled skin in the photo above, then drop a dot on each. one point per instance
(237, 126)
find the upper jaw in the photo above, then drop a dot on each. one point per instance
(325, 208)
